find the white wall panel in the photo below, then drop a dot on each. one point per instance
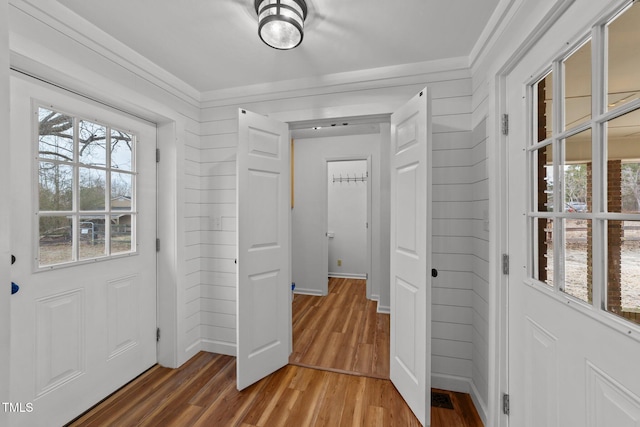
(480, 266)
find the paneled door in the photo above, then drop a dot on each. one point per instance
(83, 227)
(573, 147)
(263, 215)
(410, 368)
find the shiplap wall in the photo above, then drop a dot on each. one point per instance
(217, 233)
(452, 328)
(192, 242)
(480, 251)
(454, 208)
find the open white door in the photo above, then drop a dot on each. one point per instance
(411, 253)
(263, 203)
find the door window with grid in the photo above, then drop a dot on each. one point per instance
(86, 189)
(584, 161)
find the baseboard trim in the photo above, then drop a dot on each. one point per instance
(348, 276)
(304, 291)
(480, 405)
(218, 347)
(383, 309)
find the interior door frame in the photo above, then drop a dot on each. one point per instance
(381, 116)
(5, 317)
(498, 168)
(325, 250)
(169, 170)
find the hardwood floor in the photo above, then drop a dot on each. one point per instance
(203, 391)
(341, 331)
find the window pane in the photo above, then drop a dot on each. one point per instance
(543, 179)
(577, 172)
(623, 163)
(543, 250)
(577, 90)
(577, 258)
(55, 192)
(623, 54)
(91, 144)
(623, 275)
(121, 150)
(55, 240)
(121, 191)
(55, 135)
(543, 92)
(92, 189)
(121, 233)
(91, 237)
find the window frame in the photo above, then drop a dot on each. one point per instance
(76, 213)
(601, 115)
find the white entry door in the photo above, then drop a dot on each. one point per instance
(264, 285)
(573, 341)
(83, 218)
(410, 368)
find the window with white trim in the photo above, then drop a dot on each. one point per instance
(86, 189)
(584, 162)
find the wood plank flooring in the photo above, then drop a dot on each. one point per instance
(203, 391)
(341, 331)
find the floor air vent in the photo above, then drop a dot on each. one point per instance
(441, 400)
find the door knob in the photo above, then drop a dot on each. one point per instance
(434, 272)
(14, 288)
(13, 259)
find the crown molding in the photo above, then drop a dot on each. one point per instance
(493, 30)
(360, 79)
(59, 18)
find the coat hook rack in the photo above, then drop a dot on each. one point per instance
(355, 178)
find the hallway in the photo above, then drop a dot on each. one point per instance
(341, 332)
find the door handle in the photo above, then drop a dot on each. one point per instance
(13, 259)
(434, 272)
(14, 288)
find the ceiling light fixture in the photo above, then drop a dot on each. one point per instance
(281, 22)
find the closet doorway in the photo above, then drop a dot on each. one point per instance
(336, 319)
(348, 219)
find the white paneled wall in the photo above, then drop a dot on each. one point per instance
(217, 185)
(452, 327)
(480, 250)
(192, 249)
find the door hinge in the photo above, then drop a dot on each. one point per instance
(157, 334)
(505, 124)
(505, 264)
(157, 245)
(505, 403)
(157, 155)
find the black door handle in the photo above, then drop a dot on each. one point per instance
(13, 259)
(14, 288)
(434, 272)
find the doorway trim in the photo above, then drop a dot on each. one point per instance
(369, 244)
(498, 166)
(168, 206)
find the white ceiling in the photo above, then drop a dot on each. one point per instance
(213, 44)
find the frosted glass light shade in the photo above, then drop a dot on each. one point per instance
(281, 22)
